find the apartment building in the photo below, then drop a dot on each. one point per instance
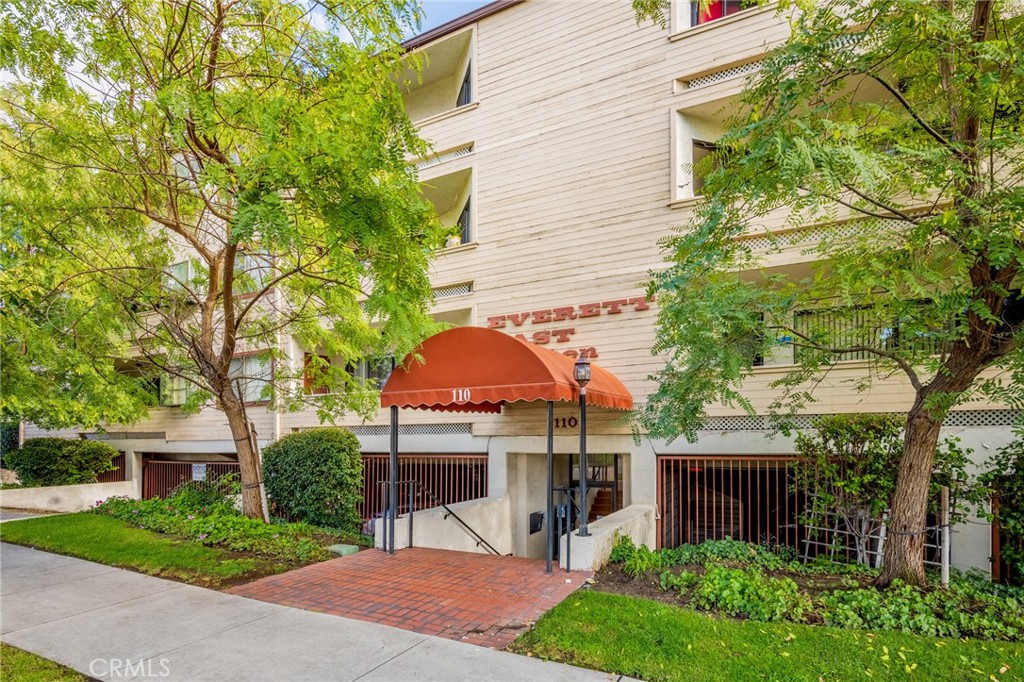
(563, 137)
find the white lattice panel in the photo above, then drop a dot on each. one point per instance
(966, 418)
(415, 429)
(743, 423)
(982, 418)
(445, 156)
(454, 290)
(825, 233)
(723, 75)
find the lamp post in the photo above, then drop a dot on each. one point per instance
(581, 372)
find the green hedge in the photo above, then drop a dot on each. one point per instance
(316, 476)
(59, 461)
(735, 578)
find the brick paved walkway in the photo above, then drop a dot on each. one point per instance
(478, 598)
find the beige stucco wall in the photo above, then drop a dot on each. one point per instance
(489, 517)
(591, 553)
(65, 498)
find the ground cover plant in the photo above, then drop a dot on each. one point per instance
(197, 535)
(109, 541)
(653, 641)
(751, 582)
(204, 512)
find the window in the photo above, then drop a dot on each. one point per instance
(701, 151)
(451, 196)
(466, 89)
(751, 345)
(694, 139)
(377, 370)
(314, 373)
(437, 79)
(177, 276)
(173, 390)
(252, 271)
(717, 10)
(251, 376)
(464, 224)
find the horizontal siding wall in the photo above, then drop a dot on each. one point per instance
(572, 173)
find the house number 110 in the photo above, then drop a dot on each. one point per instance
(566, 422)
(460, 395)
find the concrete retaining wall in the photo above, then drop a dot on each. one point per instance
(490, 517)
(66, 498)
(591, 553)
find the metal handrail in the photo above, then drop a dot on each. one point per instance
(448, 512)
(479, 538)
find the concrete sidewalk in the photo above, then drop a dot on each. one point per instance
(95, 618)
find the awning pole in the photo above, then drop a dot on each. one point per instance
(584, 469)
(549, 514)
(393, 479)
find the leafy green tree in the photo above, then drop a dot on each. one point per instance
(901, 123)
(186, 182)
(847, 466)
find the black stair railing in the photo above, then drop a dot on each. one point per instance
(411, 486)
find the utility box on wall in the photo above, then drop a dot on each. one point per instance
(536, 522)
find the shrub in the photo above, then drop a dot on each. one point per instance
(622, 549)
(316, 476)
(727, 551)
(59, 461)
(748, 593)
(8, 439)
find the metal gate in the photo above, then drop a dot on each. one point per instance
(451, 478)
(119, 473)
(160, 477)
(712, 498)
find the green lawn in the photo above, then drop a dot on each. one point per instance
(106, 540)
(21, 666)
(652, 641)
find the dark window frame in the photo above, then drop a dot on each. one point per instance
(465, 96)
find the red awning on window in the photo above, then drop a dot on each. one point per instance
(473, 369)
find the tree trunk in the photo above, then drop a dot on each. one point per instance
(248, 459)
(904, 542)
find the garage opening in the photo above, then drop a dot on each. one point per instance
(753, 499)
(713, 498)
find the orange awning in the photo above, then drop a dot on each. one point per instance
(473, 369)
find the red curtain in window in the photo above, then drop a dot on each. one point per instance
(721, 8)
(313, 373)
